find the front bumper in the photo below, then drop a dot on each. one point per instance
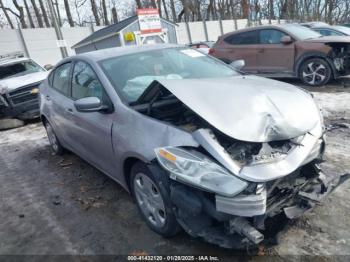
(238, 222)
(21, 103)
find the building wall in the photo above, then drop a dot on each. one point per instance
(73, 35)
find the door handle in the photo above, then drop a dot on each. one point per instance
(48, 98)
(261, 51)
(69, 110)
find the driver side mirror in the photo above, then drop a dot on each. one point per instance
(238, 64)
(89, 104)
(48, 67)
(286, 40)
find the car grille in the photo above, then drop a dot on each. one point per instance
(23, 94)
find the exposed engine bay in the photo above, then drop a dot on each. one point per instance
(340, 55)
(266, 179)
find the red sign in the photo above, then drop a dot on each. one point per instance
(149, 20)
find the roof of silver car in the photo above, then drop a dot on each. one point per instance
(119, 51)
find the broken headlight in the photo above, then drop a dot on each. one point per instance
(196, 169)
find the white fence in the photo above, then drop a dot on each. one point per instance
(41, 43)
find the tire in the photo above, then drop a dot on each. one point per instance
(55, 144)
(153, 201)
(315, 72)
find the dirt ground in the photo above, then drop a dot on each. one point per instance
(61, 205)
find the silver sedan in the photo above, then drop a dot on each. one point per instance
(199, 145)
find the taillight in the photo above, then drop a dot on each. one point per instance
(211, 51)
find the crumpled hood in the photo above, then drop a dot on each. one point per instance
(248, 108)
(10, 84)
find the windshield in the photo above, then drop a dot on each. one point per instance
(132, 74)
(19, 69)
(343, 29)
(301, 32)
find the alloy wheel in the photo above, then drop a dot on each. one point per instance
(314, 73)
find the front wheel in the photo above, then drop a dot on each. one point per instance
(315, 72)
(54, 142)
(153, 201)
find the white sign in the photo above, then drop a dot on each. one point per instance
(149, 21)
(61, 43)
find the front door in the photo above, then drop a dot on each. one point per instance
(91, 131)
(273, 57)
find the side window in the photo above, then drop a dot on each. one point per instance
(326, 32)
(246, 38)
(270, 36)
(85, 82)
(61, 78)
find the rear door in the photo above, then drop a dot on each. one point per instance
(57, 97)
(273, 57)
(90, 132)
(240, 46)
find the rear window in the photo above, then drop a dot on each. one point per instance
(246, 38)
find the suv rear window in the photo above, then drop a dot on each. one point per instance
(246, 38)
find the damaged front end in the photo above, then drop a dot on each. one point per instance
(259, 155)
(231, 212)
(340, 55)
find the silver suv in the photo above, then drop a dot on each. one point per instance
(20, 78)
(200, 146)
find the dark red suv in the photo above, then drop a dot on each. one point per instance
(286, 50)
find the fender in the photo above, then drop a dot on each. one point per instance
(315, 54)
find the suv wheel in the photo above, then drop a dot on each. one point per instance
(153, 201)
(315, 72)
(54, 142)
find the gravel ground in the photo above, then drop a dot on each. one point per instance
(61, 205)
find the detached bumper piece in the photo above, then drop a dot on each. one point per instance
(239, 222)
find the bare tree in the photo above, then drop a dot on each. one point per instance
(68, 13)
(159, 5)
(105, 15)
(4, 10)
(138, 3)
(114, 15)
(37, 14)
(95, 12)
(21, 15)
(165, 10)
(58, 12)
(173, 10)
(43, 11)
(29, 15)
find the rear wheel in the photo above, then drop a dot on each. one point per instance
(54, 142)
(315, 72)
(153, 201)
